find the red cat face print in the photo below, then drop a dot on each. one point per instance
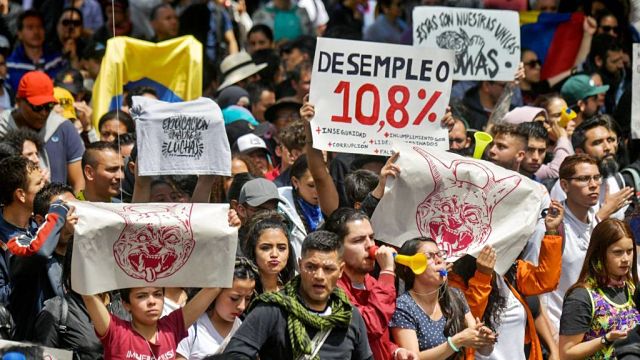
(155, 242)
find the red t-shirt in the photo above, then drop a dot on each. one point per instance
(122, 342)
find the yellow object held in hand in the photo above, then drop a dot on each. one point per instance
(482, 140)
(566, 115)
(417, 263)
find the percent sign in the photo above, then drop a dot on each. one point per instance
(395, 106)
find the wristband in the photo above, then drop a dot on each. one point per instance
(552, 232)
(453, 347)
(395, 353)
(388, 272)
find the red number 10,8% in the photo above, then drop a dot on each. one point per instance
(396, 114)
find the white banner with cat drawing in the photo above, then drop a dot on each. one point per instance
(165, 245)
(183, 138)
(486, 42)
(461, 203)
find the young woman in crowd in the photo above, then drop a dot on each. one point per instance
(113, 124)
(300, 203)
(599, 309)
(431, 318)
(500, 300)
(267, 245)
(213, 329)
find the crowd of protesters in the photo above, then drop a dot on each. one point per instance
(310, 280)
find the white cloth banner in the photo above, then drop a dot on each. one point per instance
(486, 42)
(369, 95)
(635, 91)
(183, 138)
(135, 245)
(461, 203)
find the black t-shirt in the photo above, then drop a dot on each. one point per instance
(577, 309)
(264, 332)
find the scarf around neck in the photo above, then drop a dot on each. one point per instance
(299, 316)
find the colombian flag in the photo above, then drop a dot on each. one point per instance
(172, 67)
(555, 38)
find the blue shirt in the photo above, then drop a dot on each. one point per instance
(65, 146)
(8, 231)
(18, 64)
(212, 36)
(409, 315)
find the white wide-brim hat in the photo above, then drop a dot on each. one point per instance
(236, 67)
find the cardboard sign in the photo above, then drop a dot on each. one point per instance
(120, 246)
(184, 138)
(461, 203)
(635, 91)
(486, 42)
(369, 96)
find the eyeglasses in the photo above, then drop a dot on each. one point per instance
(69, 22)
(442, 254)
(533, 63)
(607, 28)
(584, 180)
(40, 108)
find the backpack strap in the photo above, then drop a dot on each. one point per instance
(64, 315)
(633, 173)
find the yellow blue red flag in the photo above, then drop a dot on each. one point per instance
(173, 68)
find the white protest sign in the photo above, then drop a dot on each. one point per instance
(181, 138)
(368, 96)
(461, 203)
(486, 42)
(635, 91)
(135, 245)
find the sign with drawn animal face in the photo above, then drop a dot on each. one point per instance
(183, 138)
(461, 203)
(486, 42)
(156, 240)
(130, 245)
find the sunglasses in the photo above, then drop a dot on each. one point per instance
(607, 28)
(69, 22)
(40, 108)
(533, 63)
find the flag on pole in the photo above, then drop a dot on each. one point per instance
(173, 68)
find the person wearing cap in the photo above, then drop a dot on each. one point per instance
(286, 18)
(63, 147)
(283, 112)
(73, 81)
(257, 194)
(581, 93)
(30, 54)
(253, 146)
(198, 19)
(239, 69)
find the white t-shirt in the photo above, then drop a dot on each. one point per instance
(558, 194)
(576, 241)
(510, 345)
(169, 306)
(204, 339)
(316, 10)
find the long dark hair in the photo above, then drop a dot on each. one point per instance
(244, 269)
(605, 234)
(255, 231)
(450, 301)
(466, 268)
